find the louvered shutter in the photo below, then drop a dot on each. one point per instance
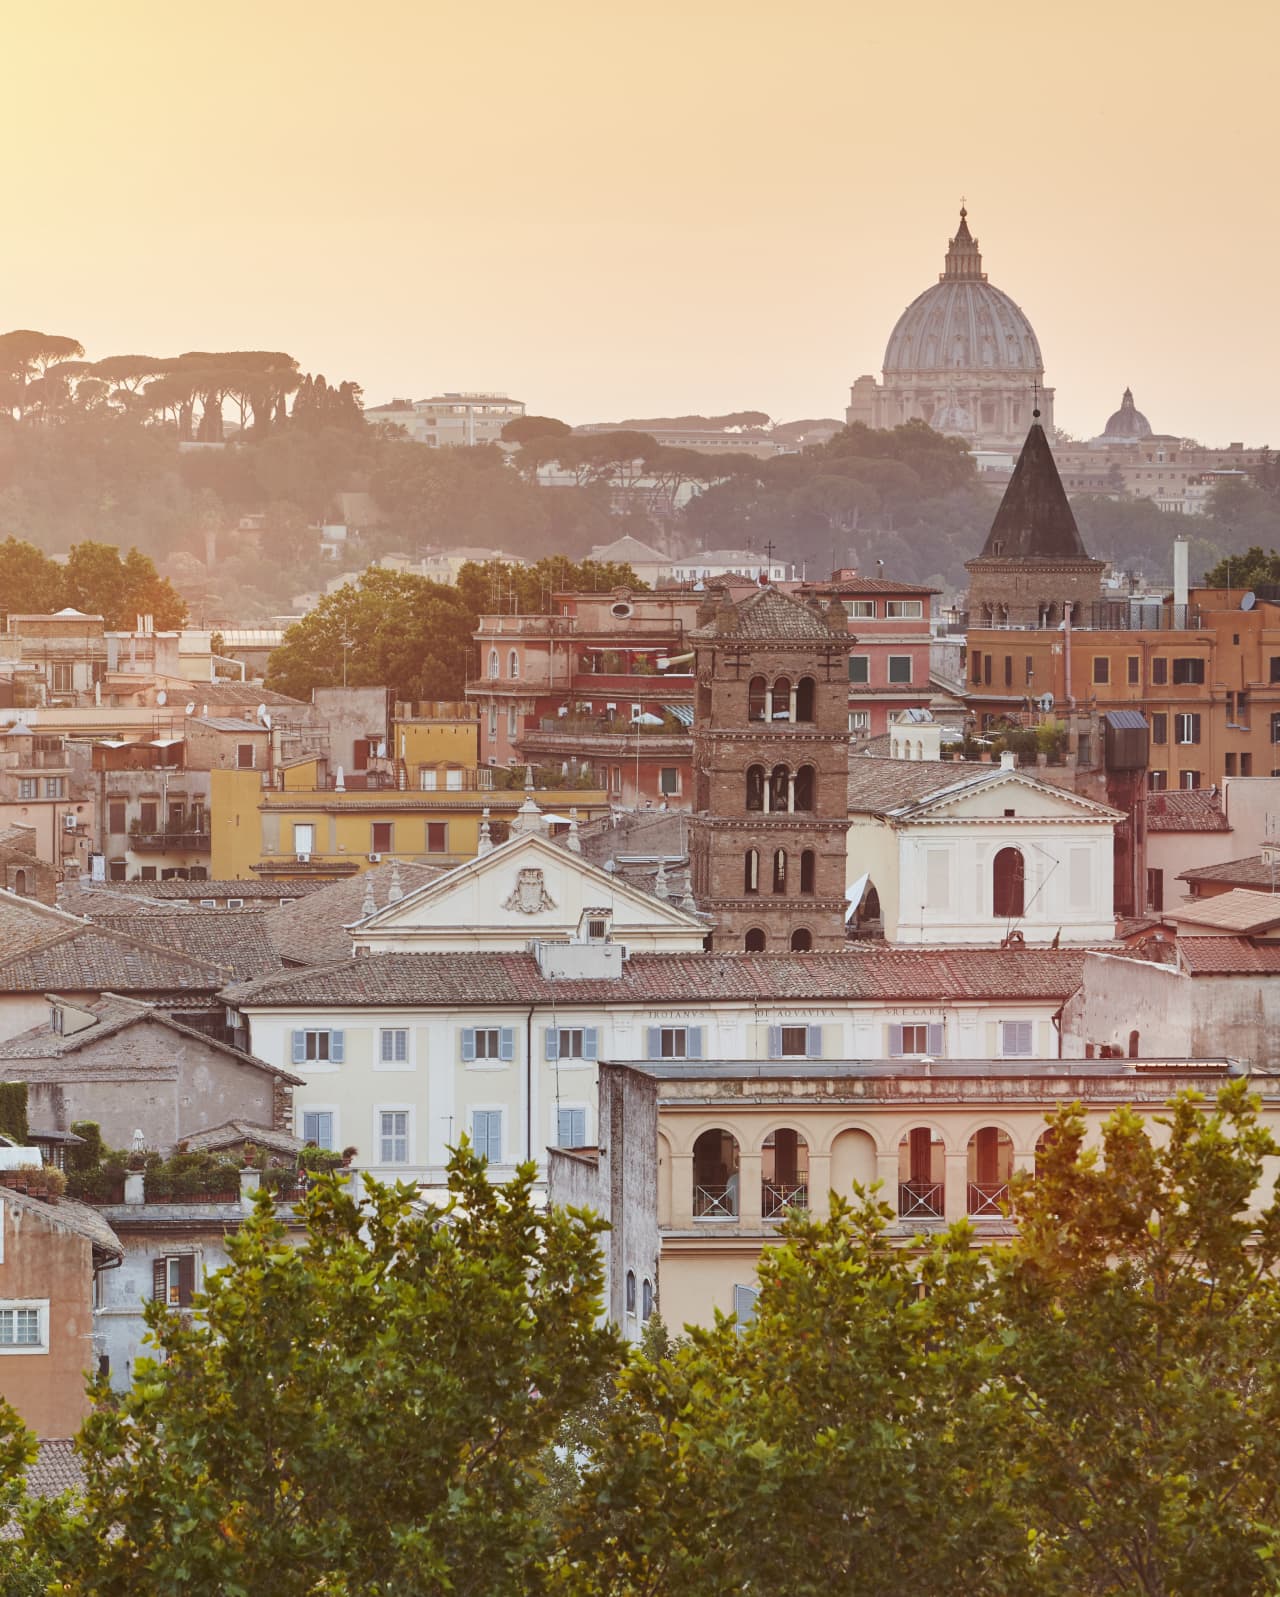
(468, 1045)
(159, 1279)
(655, 1042)
(186, 1279)
(935, 1037)
(775, 1042)
(814, 1042)
(591, 1043)
(335, 1047)
(507, 1043)
(299, 1047)
(553, 1044)
(895, 1042)
(693, 1043)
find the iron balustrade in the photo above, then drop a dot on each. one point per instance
(715, 1203)
(776, 1197)
(920, 1200)
(987, 1199)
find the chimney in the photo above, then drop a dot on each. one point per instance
(1008, 760)
(1180, 584)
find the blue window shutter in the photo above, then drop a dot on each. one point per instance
(814, 1042)
(507, 1043)
(553, 1043)
(895, 1041)
(693, 1043)
(468, 1045)
(299, 1047)
(775, 1042)
(935, 1037)
(335, 1047)
(590, 1043)
(655, 1042)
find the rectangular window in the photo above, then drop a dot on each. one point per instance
(1189, 779)
(860, 721)
(573, 1042)
(904, 609)
(428, 779)
(486, 1134)
(380, 837)
(27, 787)
(1159, 670)
(117, 824)
(1031, 669)
(317, 1046)
(976, 663)
(453, 779)
(1188, 668)
(1275, 668)
(1275, 727)
(173, 1279)
(1101, 668)
(53, 787)
(1160, 727)
(393, 1046)
(915, 1038)
(393, 1136)
(437, 837)
(1008, 670)
(986, 670)
(23, 1326)
(244, 756)
(317, 1127)
(669, 781)
(62, 673)
(1231, 765)
(1155, 890)
(1186, 728)
(675, 1042)
(864, 609)
(860, 668)
(899, 668)
(1246, 765)
(1131, 670)
(1157, 781)
(304, 838)
(494, 1043)
(795, 1042)
(571, 1128)
(149, 812)
(1016, 1038)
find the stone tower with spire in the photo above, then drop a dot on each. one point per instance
(771, 772)
(1034, 567)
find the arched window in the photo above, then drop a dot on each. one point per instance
(1008, 884)
(631, 1291)
(20, 883)
(801, 940)
(646, 1299)
(751, 871)
(806, 788)
(808, 870)
(493, 663)
(715, 1176)
(779, 870)
(754, 940)
(804, 699)
(513, 665)
(1133, 1044)
(756, 690)
(1044, 1144)
(922, 1165)
(990, 1167)
(755, 787)
(784, 1173)
(779, 790)
(782, 699)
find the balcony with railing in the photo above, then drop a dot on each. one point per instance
(169, 842)
(921, 1200)
(716, 1202)
(777, 1198)
(987, 1200)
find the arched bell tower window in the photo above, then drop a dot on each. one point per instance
(757, 690)
(751, 871)
(780, 870)
(805, 699)
(754, 940)
(755, 787)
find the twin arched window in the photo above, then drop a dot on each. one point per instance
(780, 700)
(781, 790)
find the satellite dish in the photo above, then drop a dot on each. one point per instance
(262, 710)
(1249, 600)
(162, 697)
(266, 721)
(1045, 703)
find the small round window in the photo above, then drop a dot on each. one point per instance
(621, 610)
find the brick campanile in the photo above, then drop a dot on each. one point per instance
(771, 772)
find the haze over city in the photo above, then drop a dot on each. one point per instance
(612, 213)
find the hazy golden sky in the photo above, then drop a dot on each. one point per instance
(612, 210)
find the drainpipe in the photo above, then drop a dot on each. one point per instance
(528, 1084)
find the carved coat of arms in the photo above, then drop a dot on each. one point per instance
(529, 895)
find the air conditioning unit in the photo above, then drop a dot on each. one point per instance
(304, 859)
(70, 823)
(375, 859)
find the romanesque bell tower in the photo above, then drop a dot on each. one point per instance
(771, 772)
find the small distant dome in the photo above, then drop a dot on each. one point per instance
(1127, 424)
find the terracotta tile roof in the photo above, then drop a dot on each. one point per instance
(246, 693)
(57, 1469)
(1228, 956)
(1191, 809)
(116, 1013)
(1255, 871)
(866, 586)
(91, 958)
(464, 980)
(26, 924)
(1239, 910)
(70, 1216)
(878, 785)
(770, 614)
(233, 1133)
(312, 931)
(236, 938)
(185, 890)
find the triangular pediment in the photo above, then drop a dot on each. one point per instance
(527, 887)
(1029, 798)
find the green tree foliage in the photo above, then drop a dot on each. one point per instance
(1251, 569)
(1092, 1411)
(98, 581)
(24, 1566)
(521, 429)
(13, 1110)
(363, 1414)
(30, 583)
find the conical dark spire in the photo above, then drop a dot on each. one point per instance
(1034, 521)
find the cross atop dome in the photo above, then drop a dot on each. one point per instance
(964, 261)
